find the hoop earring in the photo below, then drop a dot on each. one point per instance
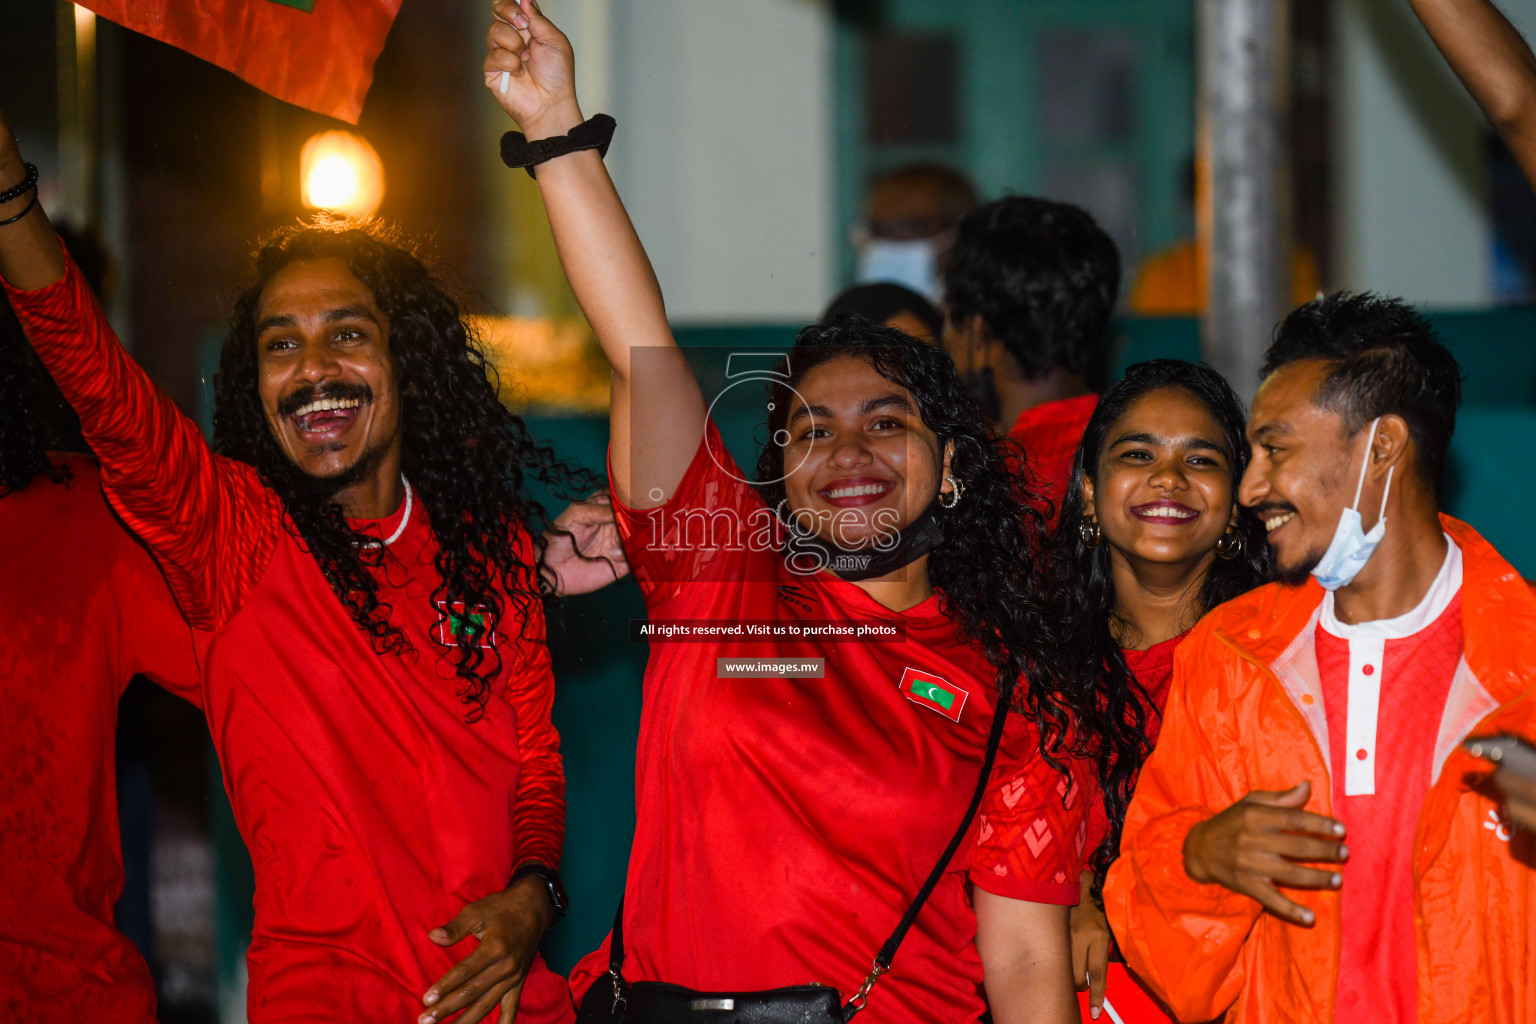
(1089, 533)
(1230, 545)
(955, 494)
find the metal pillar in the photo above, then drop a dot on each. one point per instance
(1242, 103)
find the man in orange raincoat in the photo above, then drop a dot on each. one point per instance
(1309, 841)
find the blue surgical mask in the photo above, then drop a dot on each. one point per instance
(1352, 547)
(913, 263)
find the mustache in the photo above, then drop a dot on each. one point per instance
(336, 391)
(1273, 508)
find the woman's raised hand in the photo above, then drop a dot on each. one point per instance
(602, 258)
(530, 70)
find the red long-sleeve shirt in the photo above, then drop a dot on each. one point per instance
(372, 809)
(82, 610)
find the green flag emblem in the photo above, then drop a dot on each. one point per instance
(934, 692)
(473, 625)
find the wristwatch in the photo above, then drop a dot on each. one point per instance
(551, 879)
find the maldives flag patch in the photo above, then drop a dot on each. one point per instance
(454, 623)
(934, 692)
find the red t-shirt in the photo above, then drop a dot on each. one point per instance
(82, 610)
(1153, 669)
(1392, 761)
(1050, 433)
(1009, 838)
(1006, 835)
(372, 809)
(785, 824)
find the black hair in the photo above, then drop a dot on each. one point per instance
(35, 419)
(1084, 586)
(882, 300)
(467, 457)
(1044, 279)
(956, 193)
(986, 568)
(1385, 360)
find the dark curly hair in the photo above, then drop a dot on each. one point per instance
(34, 417)
(1083, 590)
(1386, 359)
(986, 566)
(1043, 277)
(466, 455)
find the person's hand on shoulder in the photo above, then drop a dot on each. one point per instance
(530, 70)
(583, 551)
(1258, 843)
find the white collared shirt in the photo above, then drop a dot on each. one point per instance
(1367, 647)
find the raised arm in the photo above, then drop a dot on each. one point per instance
(30, 255)
(1494, 63)
(658, 411)
(209, 522)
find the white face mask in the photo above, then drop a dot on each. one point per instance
(1352, 547)
(913, 263)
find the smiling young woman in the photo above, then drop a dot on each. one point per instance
(787, 817)
(1151, 537)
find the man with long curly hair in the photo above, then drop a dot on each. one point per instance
(362, 569)
(82, 610)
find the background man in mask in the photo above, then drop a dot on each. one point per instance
(1330, 708)
(909, 226)
(1030, 290)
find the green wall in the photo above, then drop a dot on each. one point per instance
(1002, 93)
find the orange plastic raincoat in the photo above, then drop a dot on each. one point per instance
(1245, 713)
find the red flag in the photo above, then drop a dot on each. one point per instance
(314, 53)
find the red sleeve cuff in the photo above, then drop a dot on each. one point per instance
(711, 451)
(544, 851)
(1061, 894)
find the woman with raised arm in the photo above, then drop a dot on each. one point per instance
(799, 819)
(1151, 537)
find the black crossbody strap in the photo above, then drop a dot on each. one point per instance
(888, 951)
(616, 940)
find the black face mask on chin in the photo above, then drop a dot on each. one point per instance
(982, 385)
(807, 551)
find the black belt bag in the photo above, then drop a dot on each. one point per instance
(612, 1000)
(656, 1001)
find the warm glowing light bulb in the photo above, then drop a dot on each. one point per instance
(341, 172)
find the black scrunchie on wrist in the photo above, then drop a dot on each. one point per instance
(596, 133)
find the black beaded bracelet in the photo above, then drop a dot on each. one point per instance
(596, 133)
(30, 181)
(23, 213)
